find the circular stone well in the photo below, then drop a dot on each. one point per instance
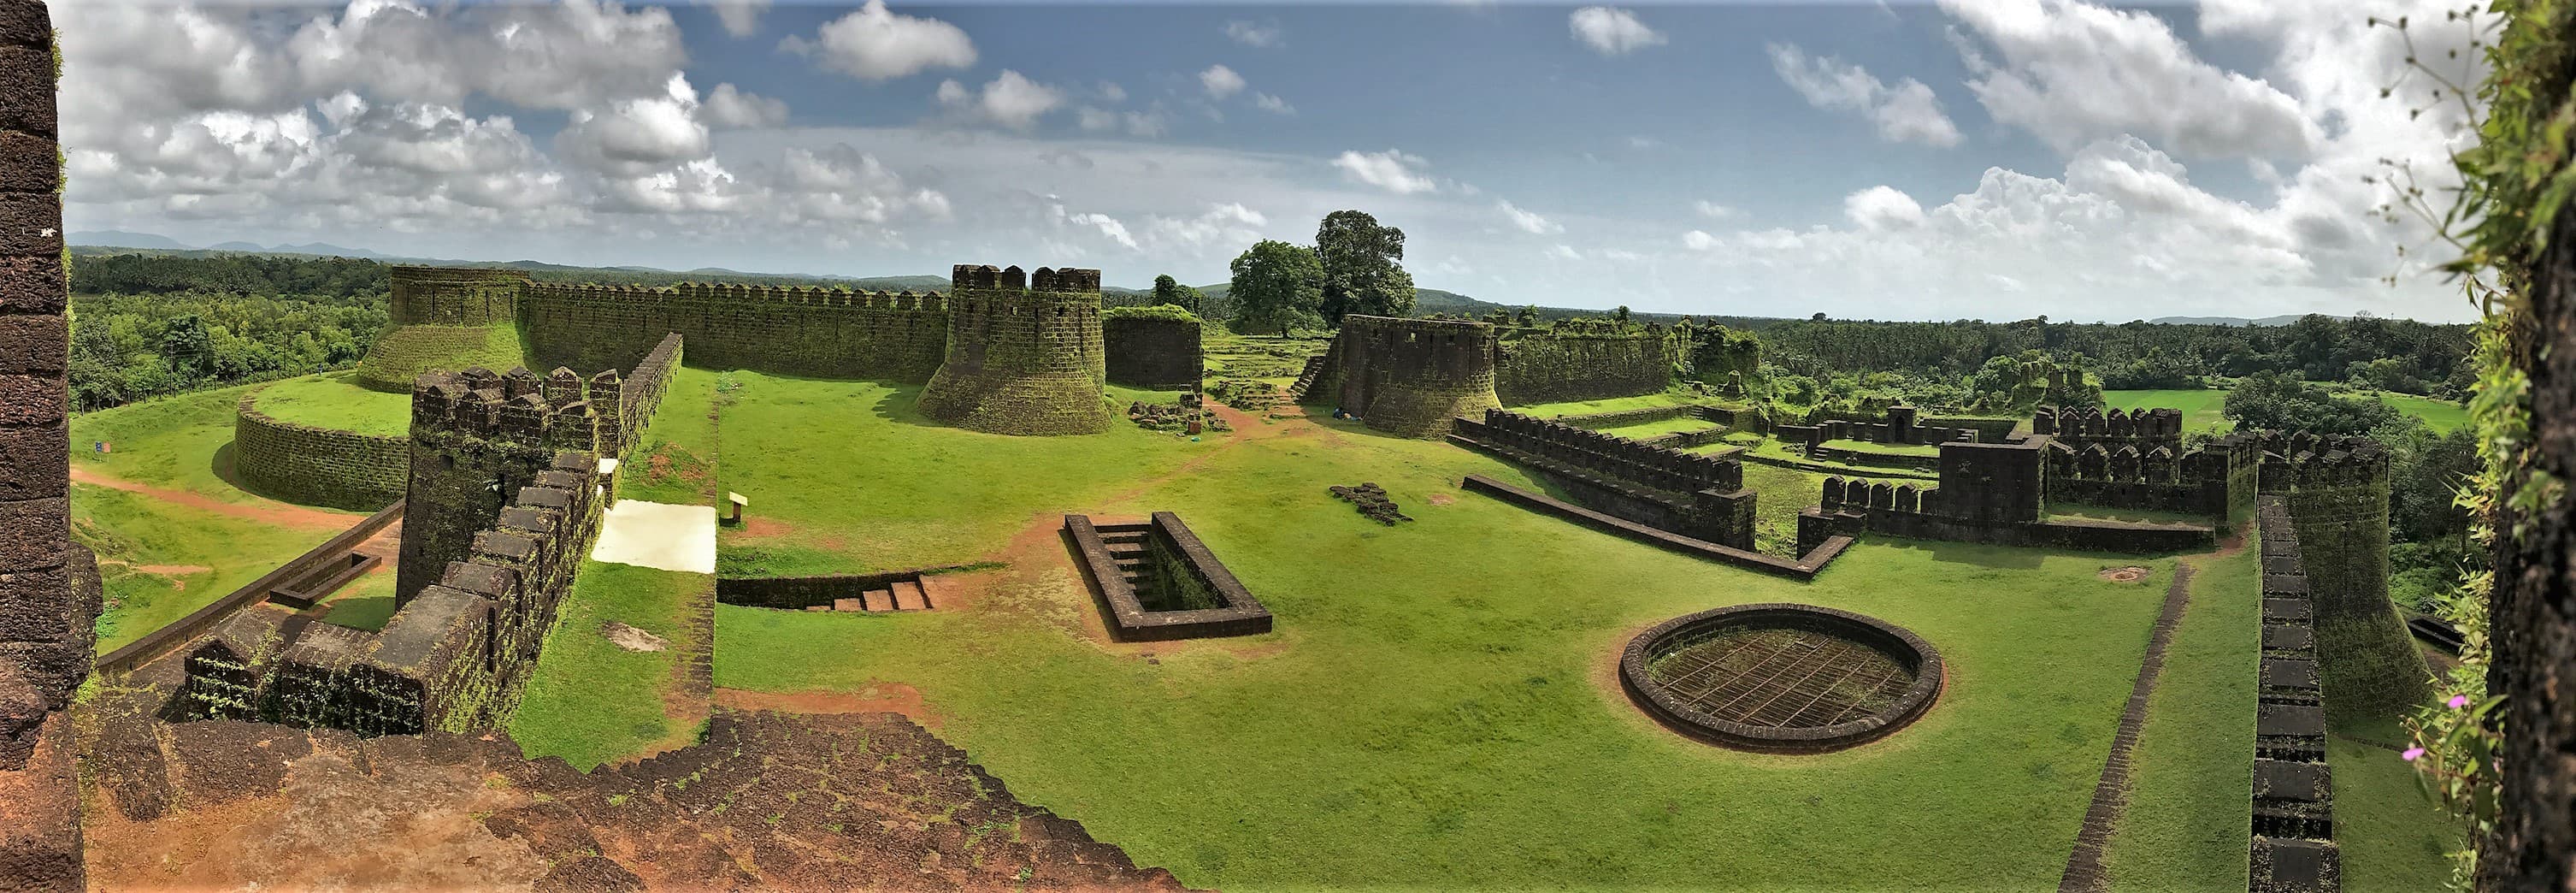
(1781, 678)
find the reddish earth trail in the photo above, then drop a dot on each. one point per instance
(264, 510)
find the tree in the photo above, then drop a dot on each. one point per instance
(1621, 315)
(187, 348)
(2276, 401)
(1361, 270)
(1819, 317)
(1277, 286)
(1170, 291)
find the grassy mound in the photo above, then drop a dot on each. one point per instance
(338, 402)
(402, 354)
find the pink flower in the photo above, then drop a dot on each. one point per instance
(2411, 753)
(2459, 701)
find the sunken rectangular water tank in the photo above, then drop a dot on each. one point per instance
(1158, 581)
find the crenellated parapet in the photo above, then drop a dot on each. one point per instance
(477, 437)
(2083, 426)
(1024, 353)
(455, 656)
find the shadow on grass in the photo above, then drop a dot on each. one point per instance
(227, 471)
(1978, 554)
(368, 613)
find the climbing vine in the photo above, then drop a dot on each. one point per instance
(2514, 182)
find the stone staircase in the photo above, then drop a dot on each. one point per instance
(1306, 379)
(1126, 544)
(901, 595)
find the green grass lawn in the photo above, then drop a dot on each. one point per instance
(1657, 429)
(160, 561)
(2189, 815)
(2393, 839)
(176, 442)
(2206, 407)
(1436, 708)
(591, 701)
(675, 461)
(2441, 415)
(332, 400)
(2200, 408)
(366, 603)
(1261, 357)
(1925, 450)
(847, 477)
(1608, 404)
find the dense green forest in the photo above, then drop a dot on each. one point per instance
(147, 326)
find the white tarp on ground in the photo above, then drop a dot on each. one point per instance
(657, 535)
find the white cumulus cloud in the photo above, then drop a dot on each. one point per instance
(1391, 170)
(1256, 34)
(875, 44)
(1526, 221)
(1882, 207)
(1220, 82)
(729, 107)
(1906, 112)
(1010, 100)
(1611, 31)
(2072, 72)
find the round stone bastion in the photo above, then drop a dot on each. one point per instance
(1781, 678)
(315, 465)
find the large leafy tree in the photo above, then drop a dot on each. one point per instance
(1277, 286)
(2277, 401)
(1362, 269)
(1168, 290)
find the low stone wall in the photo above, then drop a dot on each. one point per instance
(135, 653)
(1871, 459)
(1147, 352)
(797, 593)
(1622, 418)
(317, 466)
(1237, 613)
(1848, 508)
(2293, 848)
(1811, 557)
(1691, 494)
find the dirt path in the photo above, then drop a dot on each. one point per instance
(874, 697)
(266, 511)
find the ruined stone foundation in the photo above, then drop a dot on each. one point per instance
(1024, 353)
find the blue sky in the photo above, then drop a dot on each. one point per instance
(1968, 158)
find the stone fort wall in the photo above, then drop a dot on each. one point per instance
(1545, 367)
(1411, 377)
(2336, 491)
(49, 589)
(1692, 494)
(317, 466)
(1147, 352)
(1024, 353)
(501, 507)
(444, 319)
(811, 332)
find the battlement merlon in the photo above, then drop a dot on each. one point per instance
(516, 407)
(983, 277)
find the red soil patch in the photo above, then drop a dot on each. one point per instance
(757, 526)
(2130, 574)
(267, 511)
(874, 697)
(1440, 499)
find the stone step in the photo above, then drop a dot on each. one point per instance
(848, 604)
(879, 600)
(909, 597)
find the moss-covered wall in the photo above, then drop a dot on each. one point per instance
(1024, 356)
(1148, 352)
(445, 319)
(1550, 368)
(2371, 667)
(812, 332)
(317, 466)
(1412, 377)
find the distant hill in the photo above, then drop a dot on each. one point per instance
(2282, 320)
(121, 239)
